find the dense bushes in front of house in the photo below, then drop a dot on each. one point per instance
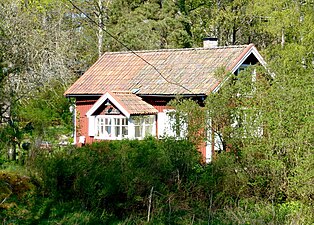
(142, 182)
(119, 177)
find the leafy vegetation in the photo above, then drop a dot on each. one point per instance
(147, 181)
(264, 174)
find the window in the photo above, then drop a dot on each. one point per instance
(175, 125)
(241, 68)
(117, 127)
(143, 126)
(111, 127)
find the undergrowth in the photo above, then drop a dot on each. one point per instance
(138, 182)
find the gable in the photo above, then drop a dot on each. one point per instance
(251, 57)
(101, 104)
(107, 108)
(123, 103)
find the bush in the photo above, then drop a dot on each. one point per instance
(252, 212)
(118, 175)
(17, 192)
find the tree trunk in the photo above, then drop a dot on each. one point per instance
(100, 28)
(282, 38)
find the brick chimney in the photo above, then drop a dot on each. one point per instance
(210, 42)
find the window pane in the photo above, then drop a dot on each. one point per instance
(138, 131)
(124, 122)
(124, 131)
(108, 130)
(138, 120)
(148, 130)
(112, 127)
(117, 131)
(107, 121)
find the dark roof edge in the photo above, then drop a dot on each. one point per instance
(82, 95)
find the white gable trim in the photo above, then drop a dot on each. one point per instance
(253, 51)
(102, 99)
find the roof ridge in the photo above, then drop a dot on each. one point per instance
(122, 92)
(176, 49)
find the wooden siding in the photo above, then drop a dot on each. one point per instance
(202, 149)
(159, 103)
(82, 107)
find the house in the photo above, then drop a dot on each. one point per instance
(125, 94)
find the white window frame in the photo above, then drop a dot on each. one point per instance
(141, 123)
(132, 122)
(112, 136)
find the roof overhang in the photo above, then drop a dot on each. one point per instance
(82, 95)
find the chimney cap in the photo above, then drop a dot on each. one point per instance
(210, 39)
(210, 42)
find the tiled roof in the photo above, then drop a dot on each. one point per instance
(193, 69)
(134, 104)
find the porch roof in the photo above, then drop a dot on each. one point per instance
(126, 102)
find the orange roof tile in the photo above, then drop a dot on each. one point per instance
(193, 69)
(134, 104)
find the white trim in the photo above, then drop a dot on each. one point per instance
(208, 152)
(74, 124)
(91, 126)
(143, 126)
(253, 51)
(208, 146)
(112, 100)
(131, 129)
(168, 123)
(113, 126)
(161, 124)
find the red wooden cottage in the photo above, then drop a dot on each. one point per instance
(122, 96)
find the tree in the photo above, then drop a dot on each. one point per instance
(36, 51)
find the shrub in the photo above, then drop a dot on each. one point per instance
(118, 175)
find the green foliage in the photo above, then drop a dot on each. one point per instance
(267, 177)
(189, 120)
(47, 108)
(117, 176)
(250, 212)
(269, 126)
(17, 192)
(111, 183)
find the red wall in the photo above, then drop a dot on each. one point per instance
(82, 107)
